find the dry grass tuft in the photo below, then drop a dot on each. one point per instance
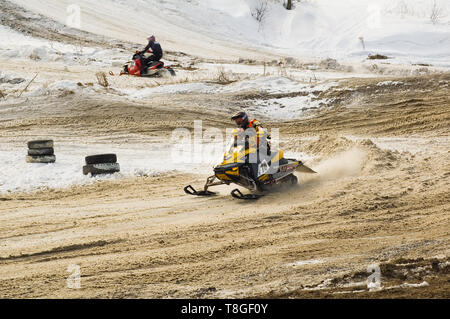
(101, 79)
(223, 77)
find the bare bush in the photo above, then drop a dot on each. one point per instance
(436, 12)
(259, 12)
(222, 76)
(101, 79)
(2, 95)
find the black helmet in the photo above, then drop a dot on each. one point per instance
(239, 114)
(241, 119)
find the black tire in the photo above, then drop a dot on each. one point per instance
(103, 168)
(45, 159)
(40, 144)
(101, 159)
(41, 151)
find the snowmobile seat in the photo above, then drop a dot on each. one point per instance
(160, 64)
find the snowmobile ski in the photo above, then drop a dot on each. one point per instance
(236, 193)
(191, 191)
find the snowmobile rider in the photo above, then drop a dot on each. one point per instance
(243, 123)
(156, 51)
(253, 128)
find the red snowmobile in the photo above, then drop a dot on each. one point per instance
(152, 69)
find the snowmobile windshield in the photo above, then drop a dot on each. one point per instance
(236, 145)
(242, 141)
(236, 152)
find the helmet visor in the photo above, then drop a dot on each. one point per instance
(240, 121)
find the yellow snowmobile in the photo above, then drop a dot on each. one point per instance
(257, 169)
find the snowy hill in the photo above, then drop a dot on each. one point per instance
(349, 29)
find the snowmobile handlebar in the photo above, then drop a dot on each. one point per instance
(139, 52)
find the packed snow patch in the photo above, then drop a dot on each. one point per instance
(386, 83)
(307, 262)
(135, 160)
(19, 176)
(64, 85)
(15, 45)
(271, 84)
(286, 108)
(278, 107)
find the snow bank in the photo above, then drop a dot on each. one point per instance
(270, 84)
(135, 160)
(17, 175)
(283, 108)
(349, 29)
(15, 45)
(286, 108)
(64, 85)
(355, 28)
(61, 87)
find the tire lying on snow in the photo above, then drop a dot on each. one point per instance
(101, 159)
(102, 168)
(41, 159)
(40, 144)
(41, 151)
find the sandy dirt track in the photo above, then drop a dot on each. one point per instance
(381, 195)
(144, 238)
